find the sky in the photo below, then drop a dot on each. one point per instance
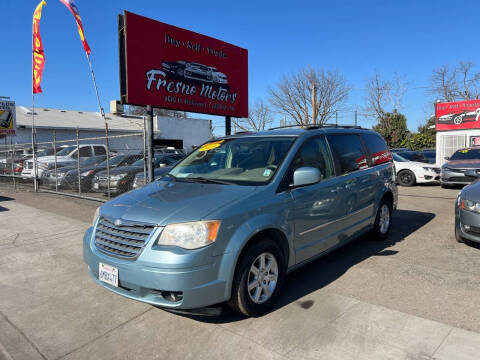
(356, 38)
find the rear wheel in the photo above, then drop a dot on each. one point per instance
(406, 178)
(383, 220)
(258, 278)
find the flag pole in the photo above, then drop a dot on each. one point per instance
(33, 119)
(104, 119)
(96, 88)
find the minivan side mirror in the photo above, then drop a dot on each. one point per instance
(447, 157)
(306, 176)
(472, 173)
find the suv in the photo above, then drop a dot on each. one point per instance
(65, 157)
(229, 221)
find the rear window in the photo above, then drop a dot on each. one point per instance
(378, 149)
(349, 153)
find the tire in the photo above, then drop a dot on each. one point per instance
(257, 302)
(381, 229)
(444, 186)
(406, 178)
(457, 120)
(457, 236)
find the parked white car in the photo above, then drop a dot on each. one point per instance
(65, 157)
(411, 172)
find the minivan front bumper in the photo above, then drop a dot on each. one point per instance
(195, 287)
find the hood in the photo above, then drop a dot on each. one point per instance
(472, 191)
(157, 172)
(52, 159)
(463, 164)
(166, 202)
(120, 170)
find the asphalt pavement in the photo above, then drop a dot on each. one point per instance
(414, 296)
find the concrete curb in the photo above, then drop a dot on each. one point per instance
(4, 355)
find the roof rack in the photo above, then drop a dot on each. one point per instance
(314, 127)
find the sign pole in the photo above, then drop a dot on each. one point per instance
(228, 125)
(149, 139)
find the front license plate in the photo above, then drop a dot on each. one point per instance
(108, 274)
(95, 186)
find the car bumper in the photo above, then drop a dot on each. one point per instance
(467, 224)
(146, 281)
(454, 178)
(428, 177)
(102, 186)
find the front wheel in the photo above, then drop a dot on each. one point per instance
(383, 220)
(406, 178)
(258, 278)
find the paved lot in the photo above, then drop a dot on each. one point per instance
(414, 296)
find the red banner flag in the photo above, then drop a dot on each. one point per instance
(38, 54)
(70, 4)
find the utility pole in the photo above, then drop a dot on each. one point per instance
(228, 125)
(149, 141)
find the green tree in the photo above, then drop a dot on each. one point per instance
(424, 138)
(393, 128)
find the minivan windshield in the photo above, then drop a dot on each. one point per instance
(466, 154)
(241, 161)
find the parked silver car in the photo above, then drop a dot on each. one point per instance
(453, 172)
(467, 211)
(235, 216)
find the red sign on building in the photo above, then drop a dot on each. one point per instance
(173, 68)
(458, 115)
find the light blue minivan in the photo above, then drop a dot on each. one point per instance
(228, 222)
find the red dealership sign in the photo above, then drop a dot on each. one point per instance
(458, 115)
(173, 68)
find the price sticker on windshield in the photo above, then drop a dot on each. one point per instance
(211, 145)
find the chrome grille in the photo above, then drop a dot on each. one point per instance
(125, 241)
(102, 178)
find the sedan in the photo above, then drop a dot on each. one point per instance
(121, 178)
(467, 211)
(454, 171)
(412, 172)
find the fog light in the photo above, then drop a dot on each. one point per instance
(467, 227)
(172, 296)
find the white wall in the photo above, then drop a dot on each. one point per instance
(191, 131)
(450, 141)
(130, 144)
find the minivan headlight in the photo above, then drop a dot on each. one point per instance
(190, 235)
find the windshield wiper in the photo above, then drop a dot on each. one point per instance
(208, 180)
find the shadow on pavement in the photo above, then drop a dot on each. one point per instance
(6, 198)
(329, 268)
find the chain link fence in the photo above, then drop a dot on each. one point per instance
(95, 168)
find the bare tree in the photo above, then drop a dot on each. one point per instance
(443, 83)
(458, 83)
(310, 96)
(384, 96)
(259, 118)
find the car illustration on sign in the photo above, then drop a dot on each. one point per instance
(219, 78)
(5, 118)
(194, 71)
(188, 70)
(458, 118)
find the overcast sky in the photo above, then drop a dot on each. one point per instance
(354, 37)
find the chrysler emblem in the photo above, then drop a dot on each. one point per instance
(118, 222)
